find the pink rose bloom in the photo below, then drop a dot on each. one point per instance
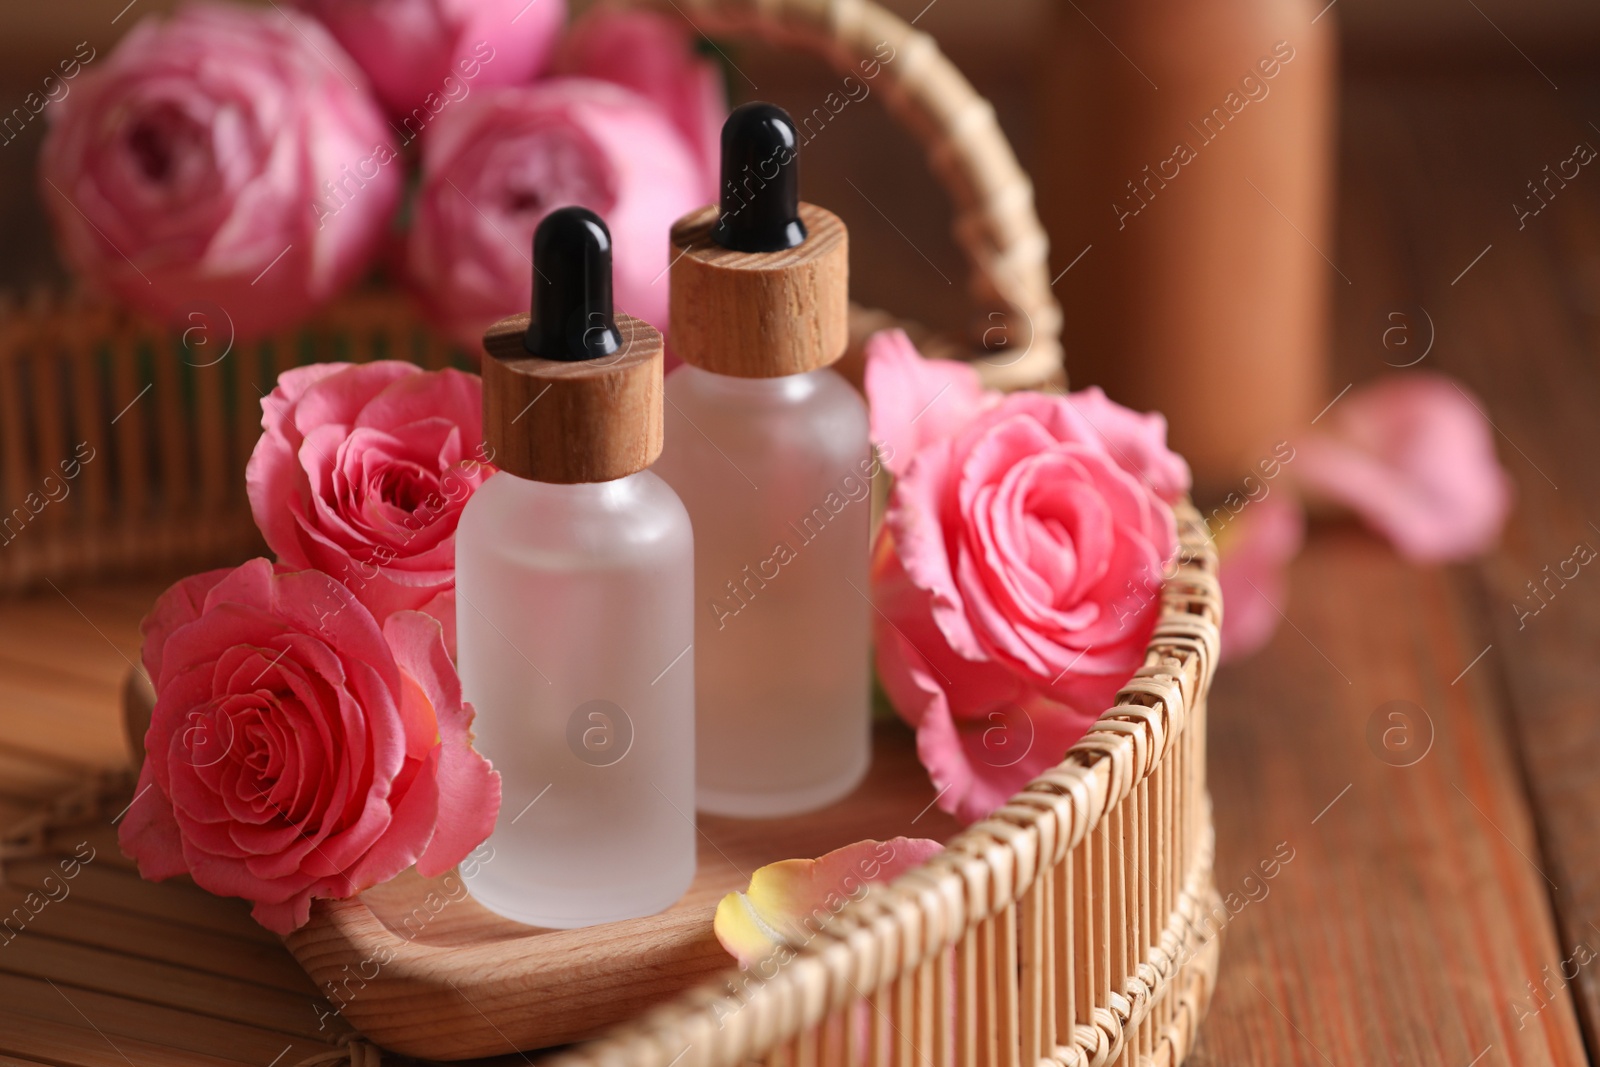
(495, 165)
(362, 471)
(918, 401)
(1019, 568)
(1413, 455)
(297, 750)
(421, 52)
(195, 169)
(654, 54)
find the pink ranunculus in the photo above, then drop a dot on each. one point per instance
(1413, 455)
(420, 53)
(225, 162)
(653, 53)
(1019, 569)
(297, 749)
(362, 471)
(494, 166)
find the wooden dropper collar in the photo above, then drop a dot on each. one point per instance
(760, 282)
(573, 394)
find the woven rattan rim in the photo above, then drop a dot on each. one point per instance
(990, 866)
(1015, 340)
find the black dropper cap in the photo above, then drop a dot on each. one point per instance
(572, 318)
(760, 181)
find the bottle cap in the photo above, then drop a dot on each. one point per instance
(572, 392)
(760, 283)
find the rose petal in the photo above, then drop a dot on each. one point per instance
(1255, 550)
(149, 834)
(915, 401)
(468, 786)
(1413, 455)
(787, 903)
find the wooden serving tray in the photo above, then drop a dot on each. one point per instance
(419, 967)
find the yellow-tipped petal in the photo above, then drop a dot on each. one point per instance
(788, 903)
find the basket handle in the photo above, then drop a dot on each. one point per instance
(1014, 340)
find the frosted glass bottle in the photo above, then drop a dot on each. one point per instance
(776, 475)
(575, 605)
(769, 450)
(573, 619)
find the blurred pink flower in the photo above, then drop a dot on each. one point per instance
(1255, 551)
(297, 749)
(421, 52)
(495, 165)
(1019, 568)
(1413, 455)
(226, 157)
(654, 54)
(362, 471)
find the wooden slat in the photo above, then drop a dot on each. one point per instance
(118, 1018)
(1527, 317)
(1411, 914)
(1419, 905)
(179, 903)
(161, 983)
(144, 937)
(65, 1044)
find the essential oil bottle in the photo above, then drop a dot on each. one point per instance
(575, 616)
(769, 450)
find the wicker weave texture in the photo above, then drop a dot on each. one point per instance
(1077, 926)
(155, 427)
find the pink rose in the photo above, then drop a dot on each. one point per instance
(362, 471)
(495, 165)
(1413, 455)
(654, 54)
(421, 53)
(917, 401)
(1019, 568)
(193, 172)
(297, 750)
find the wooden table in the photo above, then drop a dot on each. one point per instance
(1429, 908)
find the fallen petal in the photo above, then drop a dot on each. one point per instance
(789, 902)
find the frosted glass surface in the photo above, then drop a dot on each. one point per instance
(574, 622)
(775, 474)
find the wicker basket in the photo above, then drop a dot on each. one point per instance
(1075, 927)
(1069, 928)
